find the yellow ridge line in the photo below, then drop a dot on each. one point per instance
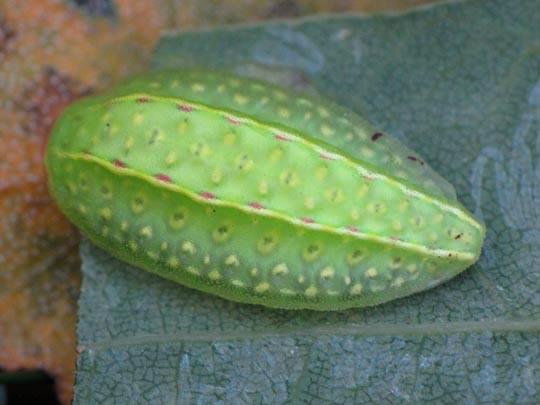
(465, 256)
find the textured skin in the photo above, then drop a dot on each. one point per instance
(255, 193)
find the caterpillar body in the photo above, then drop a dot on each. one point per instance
(256, 193)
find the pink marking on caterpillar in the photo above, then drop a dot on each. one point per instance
(208, 195)
(163, 177)
(119, 163)
(185, 108)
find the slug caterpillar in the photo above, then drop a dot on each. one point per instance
(256, 193)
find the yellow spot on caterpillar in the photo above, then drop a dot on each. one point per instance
(301, 279)
(177, 219)
(182, 127)
(214, 275)
(332, 292)
(262, 287)
(327, 131)
(328, 272)
(105, 231)
(311, 291)
(193, 270)
(171, 159)
(347, 280)
(323, 112)
(243, 163)
(396, 263)
(367, 152)
(357, 288)
(164, 246)
(404, 205)
(398, 282)
(155, 137)
(124, 226)
(221, 233)
(289, 178)
(217, 175)
(206, 259)
(362, 190)
(152, 255)
(232, 260)
(200, 149)
(229, 139)
(137, 204)
(396, 226)
(376, 208)
(280, 269)
(309, 202)
(146, 231)
(258, 87)
(254, 271)
(106, 192)
(240, 99)
(263, 187)
(334, 195)
(279, 95)
(138, 118)
(276, 154)
(72, 187)
(284, 112)
(106, 117)
(321, 173)
(286, 291)
(361, 134)
(82, 208)
(371, 272)
(355, 257)
(198, 87)
(267, 243)
(129, 143)
(105, 213)
(412, 268)
(132, 245)
(355, 214)
(438, 218)
(237, 283)
(189, 247)
(311, 252)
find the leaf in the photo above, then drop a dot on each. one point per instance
(460, 84)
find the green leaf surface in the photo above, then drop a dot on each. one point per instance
(460, 84)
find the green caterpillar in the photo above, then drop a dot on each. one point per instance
(256, 193)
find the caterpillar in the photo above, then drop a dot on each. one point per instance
(256, 193)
